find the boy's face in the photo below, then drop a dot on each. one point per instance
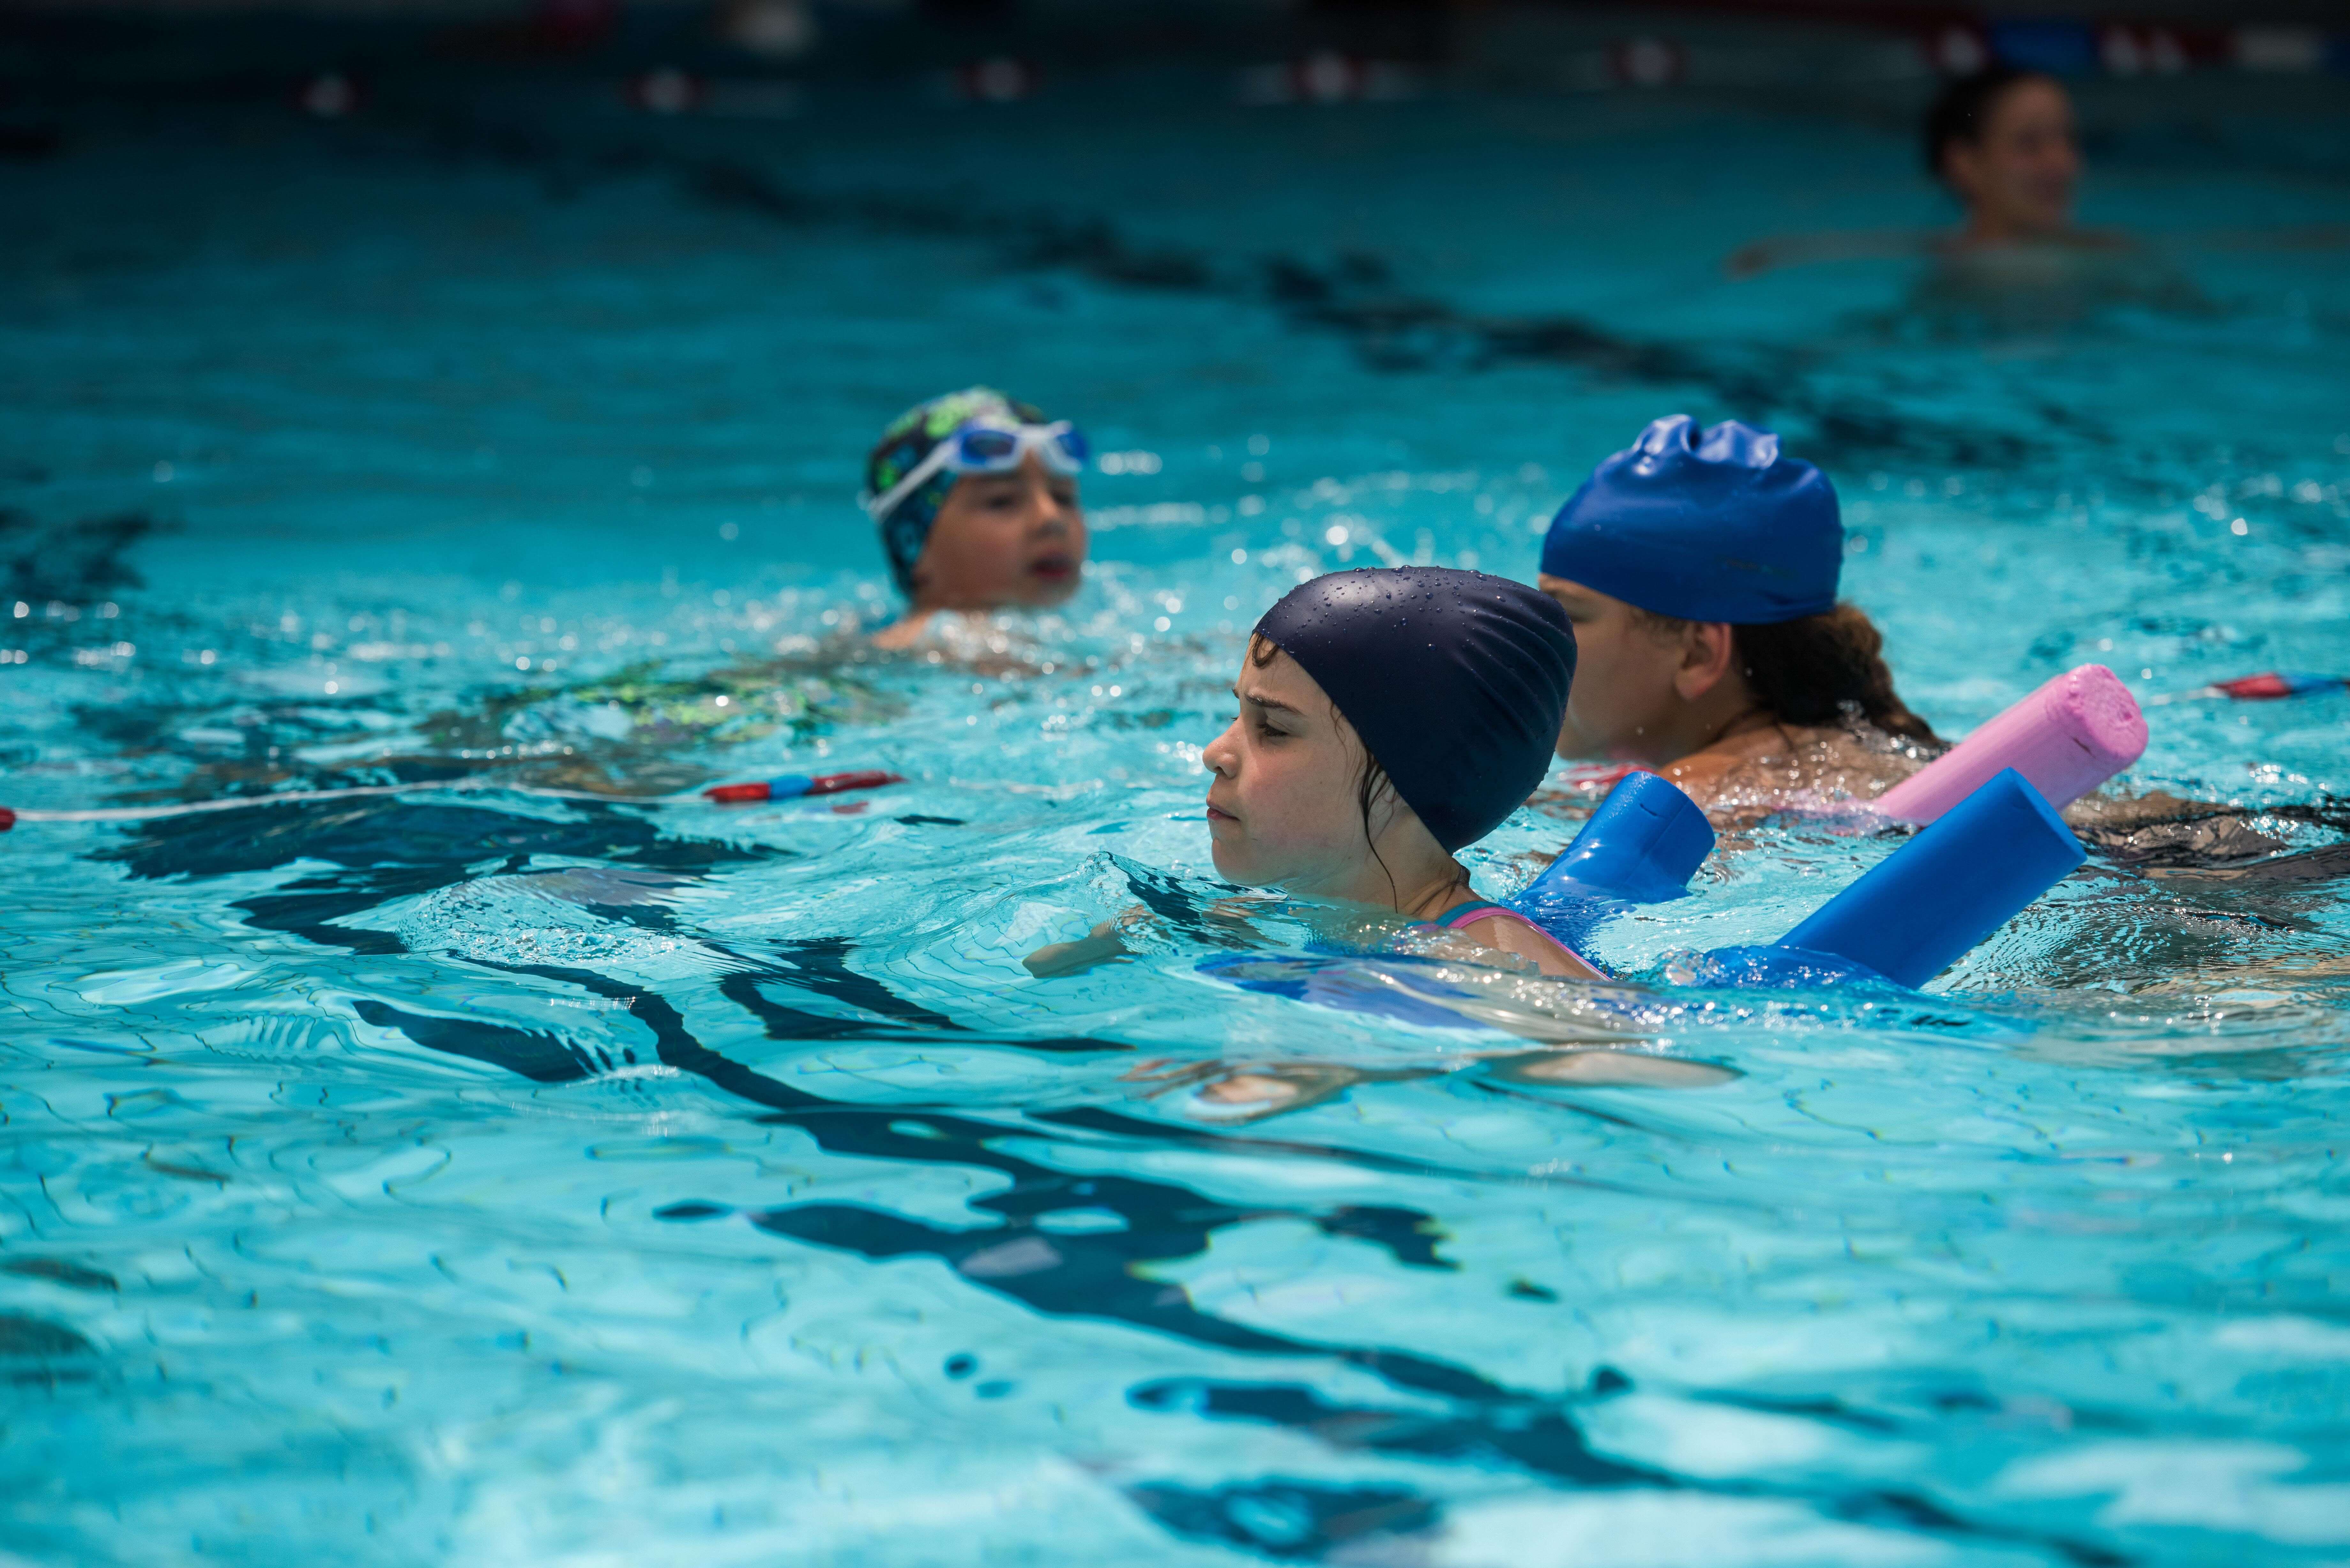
(1004, 541)
(1624, 695)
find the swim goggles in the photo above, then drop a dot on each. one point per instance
(976, 448)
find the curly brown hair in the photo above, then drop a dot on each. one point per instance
(1819, 669)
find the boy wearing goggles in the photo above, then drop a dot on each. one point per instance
(976, 498)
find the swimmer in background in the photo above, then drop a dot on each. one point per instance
(1699, 571)
(976, 498)
(2003, 141)
(2000, 140)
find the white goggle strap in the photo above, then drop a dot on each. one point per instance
(879, 506)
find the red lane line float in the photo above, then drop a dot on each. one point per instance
(2266, 687)
(2275, 684)
(791, 787)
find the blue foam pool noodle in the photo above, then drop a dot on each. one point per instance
(1643, 843)
(1640, 846)
(1917, 911)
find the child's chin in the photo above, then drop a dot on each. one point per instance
(1232, 866)
(1045, 589)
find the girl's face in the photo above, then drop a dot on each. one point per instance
(1285, 809)
(1004, 541)
(1628, 679)
(2019, 175)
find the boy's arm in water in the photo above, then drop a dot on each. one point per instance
(1100, 946)
(1237, 1093)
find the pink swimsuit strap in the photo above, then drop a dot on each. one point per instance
(1478, 909)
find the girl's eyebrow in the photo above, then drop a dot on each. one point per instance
(1262, 702)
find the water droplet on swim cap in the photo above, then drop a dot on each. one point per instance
(1463, 716)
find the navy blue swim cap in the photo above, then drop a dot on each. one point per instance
(1455, 680)
(1711, 526)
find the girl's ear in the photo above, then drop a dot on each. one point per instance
(1707, 648)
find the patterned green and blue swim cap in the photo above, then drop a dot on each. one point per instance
(906, 527)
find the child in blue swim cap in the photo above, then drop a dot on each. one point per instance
(1700, 570)
(975, 495)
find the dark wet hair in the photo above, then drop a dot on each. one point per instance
(1819, 669)
(1456, 680)
(1964, 107)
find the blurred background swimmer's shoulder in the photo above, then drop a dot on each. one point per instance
(2022, 288)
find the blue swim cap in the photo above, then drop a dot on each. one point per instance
(1711, 526)
(1456, 681)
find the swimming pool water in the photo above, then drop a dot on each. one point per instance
(491, 1177)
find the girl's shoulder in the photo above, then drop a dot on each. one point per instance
(1497, 926)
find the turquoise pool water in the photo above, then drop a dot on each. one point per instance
(495, 1177)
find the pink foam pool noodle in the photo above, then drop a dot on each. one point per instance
(2065, 739)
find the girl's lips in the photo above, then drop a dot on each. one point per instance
(1215, 814)
(1054, 568)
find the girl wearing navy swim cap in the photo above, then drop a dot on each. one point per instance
(1389, 718)
(1700, 570)
(976, 498)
